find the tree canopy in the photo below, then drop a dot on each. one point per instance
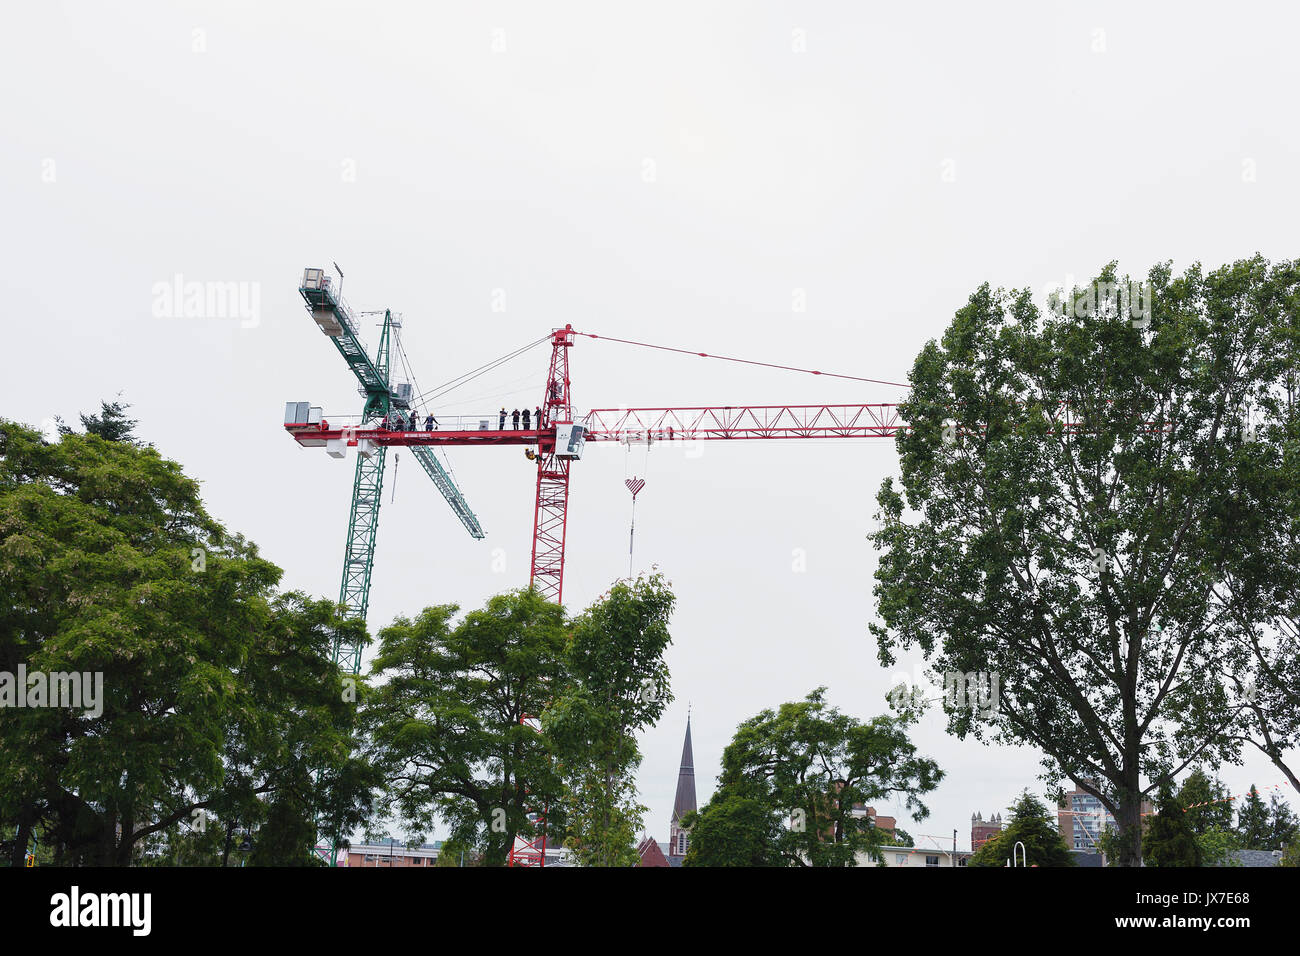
(219, 696)
(447, 731)
(446, 727)
(1079, 493)
(799, 780)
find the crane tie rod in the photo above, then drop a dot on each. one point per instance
(726, 358)
(440, 390)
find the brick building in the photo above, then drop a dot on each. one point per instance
(981, 830)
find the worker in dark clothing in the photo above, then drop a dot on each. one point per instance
(501, 426)
(429, 422)
(539, 418)
(527, 427)
(514, 422)
(415, 422)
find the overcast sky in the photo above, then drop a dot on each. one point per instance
(813, 184)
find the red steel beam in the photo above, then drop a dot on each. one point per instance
(743, 421)
(659, 424)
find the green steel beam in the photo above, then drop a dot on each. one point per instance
(373, 375)
(359, 556)
(448, 488)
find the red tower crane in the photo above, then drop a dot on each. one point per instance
(560, 438)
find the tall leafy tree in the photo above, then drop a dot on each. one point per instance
(616, 684)
(1258, 584)
(446, 723)
(1068, 482)
(1029, 824)
(214, 691)
(813, 769)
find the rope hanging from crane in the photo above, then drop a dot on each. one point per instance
(634, 485)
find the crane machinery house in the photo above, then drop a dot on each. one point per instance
(569, 441)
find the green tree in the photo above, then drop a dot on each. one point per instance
(1282, 823)
(1258, 588)
(453, 853)
(733, 830)
(812, 769)
(1217, 847)
(1030, 824)
(1205, 802)
(1291, 855)
(111, 424)
(214, 692)
(616, 684)
(901, 838)
(1253, 822)
(1169, 841)
(1068, 483)
(446, 725)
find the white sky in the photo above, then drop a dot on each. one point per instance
(907, 155)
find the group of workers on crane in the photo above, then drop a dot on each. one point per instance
(399, 423)
(514, 419)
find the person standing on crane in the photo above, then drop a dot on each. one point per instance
(415, 422)
(526, 425)
(429, 422)
(539, 417)
(501, 425)
(514, 421)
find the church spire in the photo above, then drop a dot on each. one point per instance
(684, 802)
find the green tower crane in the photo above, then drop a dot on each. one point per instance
(383, 406)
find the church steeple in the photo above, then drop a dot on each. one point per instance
(684, 802)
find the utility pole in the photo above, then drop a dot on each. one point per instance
(954, 847)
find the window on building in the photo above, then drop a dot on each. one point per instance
(900, 859)
(931, 861)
